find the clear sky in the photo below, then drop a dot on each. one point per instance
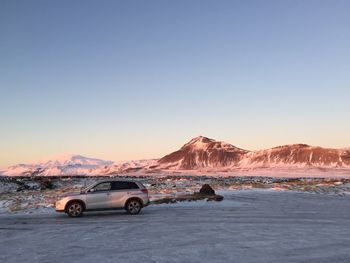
(126, 80)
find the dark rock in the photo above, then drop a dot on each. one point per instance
(46, 184)
(166, 200)
(21, 186)
(207, 190)
(216, 198)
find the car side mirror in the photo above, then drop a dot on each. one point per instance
(92, 190)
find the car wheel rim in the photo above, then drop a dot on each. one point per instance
(75, 209)
(134, 207)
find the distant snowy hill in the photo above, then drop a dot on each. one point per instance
(199, 154)
(69, 164)
(202, 152)
(73, 164)
(74, 160)
(297, 156)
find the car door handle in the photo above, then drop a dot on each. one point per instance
(108, 193)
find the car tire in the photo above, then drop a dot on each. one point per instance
(75, 209)
(133, 206)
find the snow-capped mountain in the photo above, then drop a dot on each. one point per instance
(73, 159)
(297, 155)
(202, 152)
(199, 154)
(73, 164)
(123, 167)
(68, 164)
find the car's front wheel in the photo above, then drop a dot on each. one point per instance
(74, 209)
(133, 207)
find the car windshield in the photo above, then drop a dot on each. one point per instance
(84, 189)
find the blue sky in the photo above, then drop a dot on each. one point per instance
(137, 79)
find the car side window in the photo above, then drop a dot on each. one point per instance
(102, 187)
(124, 185)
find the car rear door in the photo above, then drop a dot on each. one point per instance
(98, 196)
(120, 192)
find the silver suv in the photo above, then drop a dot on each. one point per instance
(105, 195)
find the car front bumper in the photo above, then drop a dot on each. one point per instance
(59, 206)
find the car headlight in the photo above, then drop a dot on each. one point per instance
(59, 202)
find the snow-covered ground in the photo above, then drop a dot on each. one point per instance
(248, 226)
(30, 195)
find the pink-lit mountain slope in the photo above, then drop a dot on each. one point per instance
(200, 154)
(203, 152)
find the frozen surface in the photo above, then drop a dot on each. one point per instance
(248, 226)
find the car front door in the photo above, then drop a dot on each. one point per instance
(98, 196)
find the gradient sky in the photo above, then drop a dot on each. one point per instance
(137, 79)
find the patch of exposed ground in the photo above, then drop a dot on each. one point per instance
(35, 193)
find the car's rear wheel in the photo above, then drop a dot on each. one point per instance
(133, 207)
(75, 209)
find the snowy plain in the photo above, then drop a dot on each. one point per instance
(248, 226)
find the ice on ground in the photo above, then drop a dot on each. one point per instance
(248, 226)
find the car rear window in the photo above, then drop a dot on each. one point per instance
(124, 185)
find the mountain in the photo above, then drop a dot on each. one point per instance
(202, 152)
(74, 160)
(297, 155)
(68, 164)
(199, 154)
(73, 164)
